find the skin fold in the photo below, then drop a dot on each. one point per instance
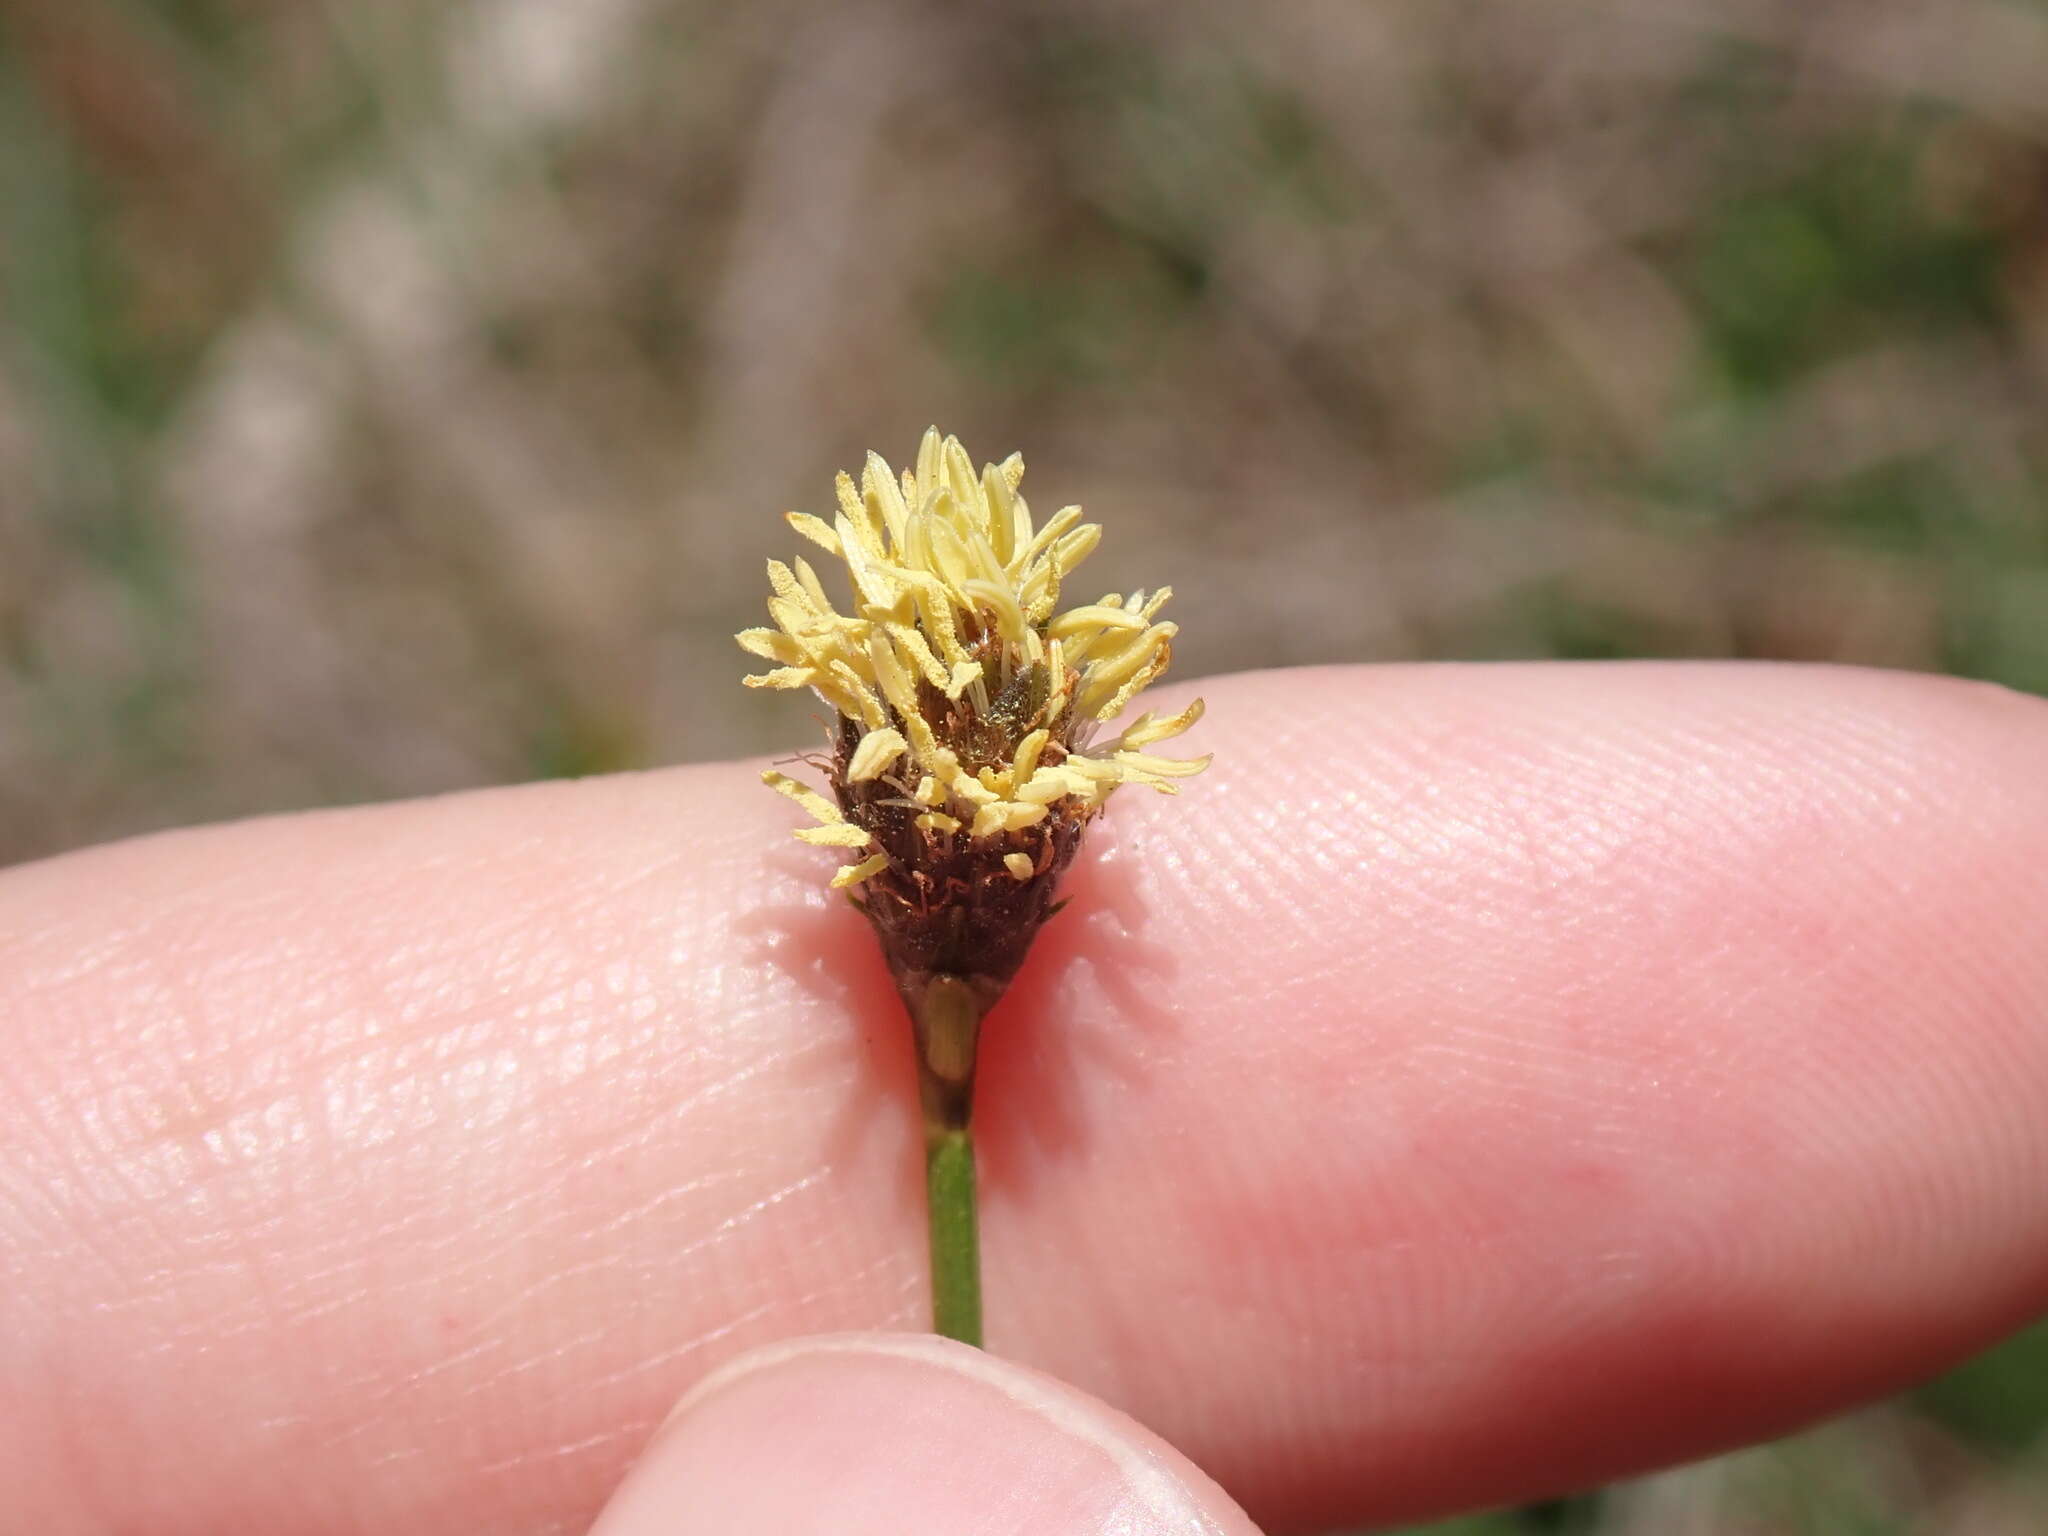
(1483, 1081)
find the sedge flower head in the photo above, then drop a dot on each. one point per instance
(972, 741)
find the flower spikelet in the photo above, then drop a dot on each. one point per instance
(972, 740)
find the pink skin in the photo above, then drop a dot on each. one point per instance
(1483, 1081)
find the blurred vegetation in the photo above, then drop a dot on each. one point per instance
(396, 397)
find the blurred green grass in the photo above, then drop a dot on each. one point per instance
(397, 398)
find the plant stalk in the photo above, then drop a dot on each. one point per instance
(955, 1234)
(946, 1011)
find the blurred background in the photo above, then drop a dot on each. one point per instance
(399, 397)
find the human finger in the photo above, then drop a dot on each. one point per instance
(1482, 1081)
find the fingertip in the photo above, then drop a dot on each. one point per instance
(906, 1434)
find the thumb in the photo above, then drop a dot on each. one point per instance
(906, 1434)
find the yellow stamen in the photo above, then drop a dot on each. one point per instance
(803, 795)
(841, 835)
(853, 874)
(956, 601)
(877, 751)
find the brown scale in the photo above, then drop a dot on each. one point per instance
(947, 904)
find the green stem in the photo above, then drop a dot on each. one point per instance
(956, 1235)
(946, 1011)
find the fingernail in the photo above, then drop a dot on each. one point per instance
(906, 1434)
